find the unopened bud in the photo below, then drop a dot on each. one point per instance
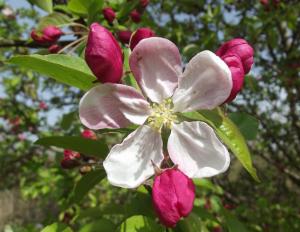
(103, 55)
(139, 34)
(173, 196)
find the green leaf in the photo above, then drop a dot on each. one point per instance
(85, 184)
(57, 227)
(43, 4)
(140, 224)
(126, 8)
(55, 19)
(232, 223)
(247, 124)
(228, 133)
(67, 120)
(66, 69)
(191, 224)
(78, 6)
(140, 204)
(85, 146)
(100, 225)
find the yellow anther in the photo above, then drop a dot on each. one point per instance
(162, 115)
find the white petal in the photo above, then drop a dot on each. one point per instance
(156, 65)
(197, 151)
(205, 84)
(112, 106)
(128, 164)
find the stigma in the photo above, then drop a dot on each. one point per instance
(162, 115)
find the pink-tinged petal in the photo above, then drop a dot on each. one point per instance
(205, 84)
(124, 36)
(173, 196)
(51, 34)
(197, 151)
(112, 106)
(128, 164)
(241, 48)
(156, 65)
(103, 55)
(237, 73)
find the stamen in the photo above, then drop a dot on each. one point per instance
(162, 115)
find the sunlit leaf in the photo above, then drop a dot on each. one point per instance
(46, 5)
(55, 19)
(57, 227)
(66, 69)
(99, 225)
(140, 224)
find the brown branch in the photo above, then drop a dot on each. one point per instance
(29, 44)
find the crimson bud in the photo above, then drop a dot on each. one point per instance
(173, 196)
(103, 55)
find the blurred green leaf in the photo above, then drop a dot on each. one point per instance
(85, 146)
(140, 224)
(85, 184)
(229, 134)
(66, 69)
(57, 227)
(99, 225)
(55, 19)
(46, 5)
(67, 120)
(247, 124)
(140, 204)
(232, 223)
(191, 224)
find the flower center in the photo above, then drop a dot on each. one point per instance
(162, 115)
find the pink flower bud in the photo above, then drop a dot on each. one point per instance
(237, 73)
(70, 159)
(173, 196)
(54, 48)
(241, 48)
(264, 2)
(144, 3)
(37, 37)
(51, 34)
(43, 105)
(109, 14)
(124, 36)
(103, 55)
(141, 33)
(136, 16)
(88, 134)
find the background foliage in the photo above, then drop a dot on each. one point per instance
(232, 202)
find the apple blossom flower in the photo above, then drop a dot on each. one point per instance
(103, 54)
(139, 34)
(193, 146)
(124, 36)
(173, 195)
(109, 14)
(135, 16)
